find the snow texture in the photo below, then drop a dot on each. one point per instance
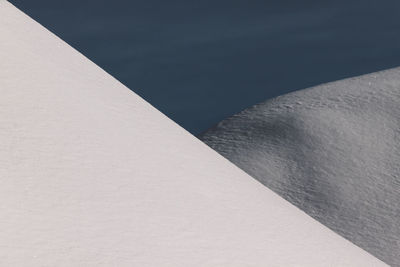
(92, 175)
(333, 151)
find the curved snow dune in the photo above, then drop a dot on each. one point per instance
(333, 151)
(92, 175)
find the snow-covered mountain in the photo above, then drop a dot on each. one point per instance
(333, 151)
(92, 175)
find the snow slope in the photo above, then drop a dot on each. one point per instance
(92, 175)
(333, 151)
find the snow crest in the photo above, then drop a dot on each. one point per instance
(333, 151)
(92, 175)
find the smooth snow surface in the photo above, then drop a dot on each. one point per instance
(92, 175)
(333, 151)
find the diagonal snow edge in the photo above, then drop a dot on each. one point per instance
(92, 175)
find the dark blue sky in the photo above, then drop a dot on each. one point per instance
(202, 61)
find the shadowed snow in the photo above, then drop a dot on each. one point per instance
(333, 151)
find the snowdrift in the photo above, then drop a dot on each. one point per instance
(333, 151)
(92, 175)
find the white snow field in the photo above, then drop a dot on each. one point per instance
(92, 175)
(333, 151)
